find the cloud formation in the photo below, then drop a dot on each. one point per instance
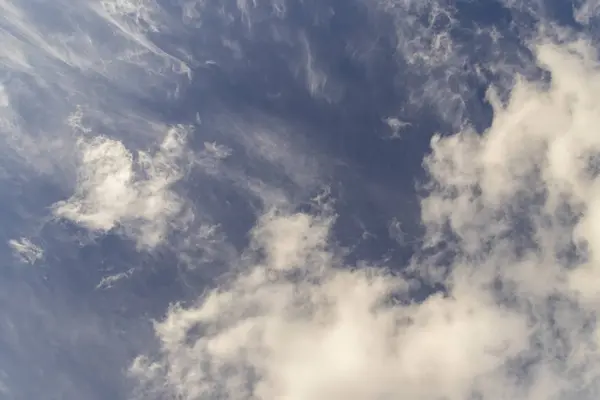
(26, 250)
(117, 189)
(58, 55)
(511, 235)
(509, 215)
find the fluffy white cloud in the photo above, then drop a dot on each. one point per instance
(116, 189)
(290, 241)
(335, 334)
(516, 210)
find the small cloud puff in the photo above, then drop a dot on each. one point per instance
(116, 189)
(396, 126)
(26, 250)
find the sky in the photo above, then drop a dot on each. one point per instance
(299, 199)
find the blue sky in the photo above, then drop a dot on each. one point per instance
(303, 200)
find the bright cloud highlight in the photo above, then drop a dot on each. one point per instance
(116, 189)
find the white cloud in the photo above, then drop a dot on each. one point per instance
(270, 336)
(291, 241)
(517, 209)
(26, 250)
(396, 126)
(116, 189)
(109, 281)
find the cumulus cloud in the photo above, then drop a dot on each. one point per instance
(320, 331)
(511, 234)
(117, 189)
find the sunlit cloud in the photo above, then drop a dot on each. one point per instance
(117, 189)
(516, 209)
